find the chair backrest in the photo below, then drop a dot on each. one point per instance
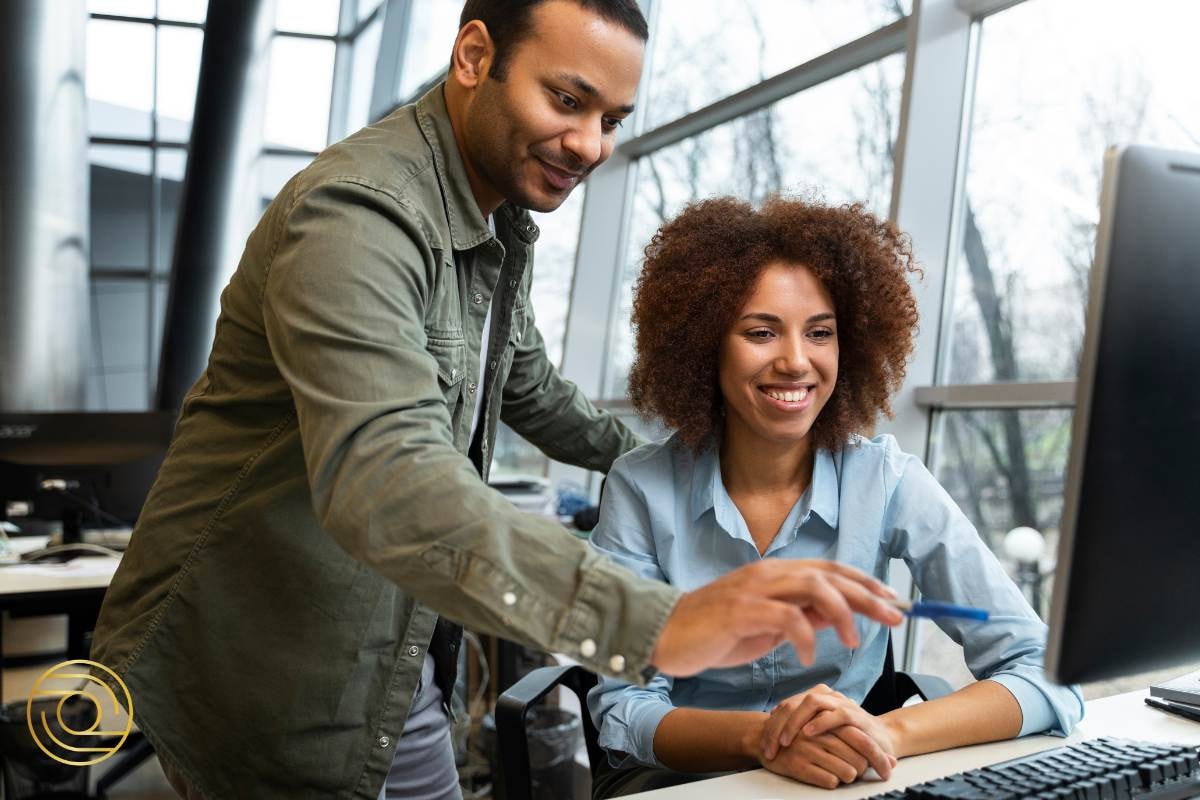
(890, 692)
(513, 746)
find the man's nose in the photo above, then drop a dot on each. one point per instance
(586, 143)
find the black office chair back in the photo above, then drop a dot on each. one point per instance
(892, 690)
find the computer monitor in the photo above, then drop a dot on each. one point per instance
(1127, 589)
(85, 470)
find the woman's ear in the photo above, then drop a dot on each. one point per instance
(472, 55)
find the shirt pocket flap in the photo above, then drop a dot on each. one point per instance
(449, 351)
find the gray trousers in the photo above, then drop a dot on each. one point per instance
(423, 766)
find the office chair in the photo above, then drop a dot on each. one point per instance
(891, 691)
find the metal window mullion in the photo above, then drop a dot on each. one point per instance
(343, 68)
(595, 289)
(171, 23)
(1049, 394)
(393, 42)
(155, 221)
(847, 58)
(926, 162)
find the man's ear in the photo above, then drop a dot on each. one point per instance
(473, 54)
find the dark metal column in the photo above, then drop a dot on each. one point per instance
(45, 311)
(218, 190)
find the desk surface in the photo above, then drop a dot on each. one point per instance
(80, 573)
(1123, 715)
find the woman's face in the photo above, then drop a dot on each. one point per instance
(779, 362)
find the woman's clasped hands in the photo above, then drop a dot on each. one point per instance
(823, 738)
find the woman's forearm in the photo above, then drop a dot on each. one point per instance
(983, 711)
(696, 740)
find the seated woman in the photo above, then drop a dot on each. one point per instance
(768, 340)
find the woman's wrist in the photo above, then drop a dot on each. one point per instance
(900, 733)
(750, 743)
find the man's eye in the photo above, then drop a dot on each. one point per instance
(567, 100)
(612, 123)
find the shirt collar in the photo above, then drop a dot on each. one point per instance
(825, 497)
(468, 228)
(707, 472)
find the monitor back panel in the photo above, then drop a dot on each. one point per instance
(1127, 590)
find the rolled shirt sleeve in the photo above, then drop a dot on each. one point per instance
(950, 562)
(625, 715)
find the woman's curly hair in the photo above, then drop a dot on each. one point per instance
(701, 269)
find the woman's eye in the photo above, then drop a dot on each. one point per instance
(760, 334)
(822, 334)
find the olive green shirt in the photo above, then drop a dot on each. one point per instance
(317, 510)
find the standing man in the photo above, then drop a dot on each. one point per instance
(324, 499)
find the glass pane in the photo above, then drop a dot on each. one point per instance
(171, 164)
(307, 16)
(275, 171)
(120, 207)
(432, 28)
(178, 74)
(1057, 83)
(183, 10)
(703, 50)
(120, 78)
(299, 85)
(554, 270)
(362, 75)
(1005, 469)
(835, 139)
(124, 8)
(121, 309)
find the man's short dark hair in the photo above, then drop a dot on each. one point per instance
(509, 22)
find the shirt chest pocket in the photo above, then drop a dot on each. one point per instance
(449, 350)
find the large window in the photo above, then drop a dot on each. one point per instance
(1056, 82)
(143, 60)
(705, 50)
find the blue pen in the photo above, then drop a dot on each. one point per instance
(934, 608)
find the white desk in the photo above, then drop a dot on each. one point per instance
(75, 588)
(1123, 715)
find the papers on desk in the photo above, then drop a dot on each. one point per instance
(89, 567)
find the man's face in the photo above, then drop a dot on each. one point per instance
(553, 119)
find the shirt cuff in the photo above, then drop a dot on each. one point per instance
(614, 621)
(634, 736)
(1037, 715)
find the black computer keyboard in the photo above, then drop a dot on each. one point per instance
(1099, 769)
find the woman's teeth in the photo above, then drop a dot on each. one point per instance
(787, 397)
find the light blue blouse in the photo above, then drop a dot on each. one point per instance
(666, 515)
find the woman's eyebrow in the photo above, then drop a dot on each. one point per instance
(760, 315)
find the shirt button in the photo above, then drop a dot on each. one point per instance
(510, 599)
(472, 388)
(477, 299)
(617, 664)
(512, 284)
(414, 651)
(587, 648)
(492, 364)
(384, 741)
